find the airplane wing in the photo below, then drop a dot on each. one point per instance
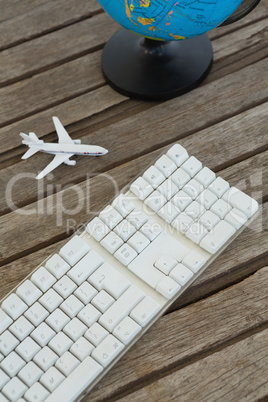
(57, 161)
(62, 133)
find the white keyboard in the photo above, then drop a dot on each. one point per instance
(65, 326)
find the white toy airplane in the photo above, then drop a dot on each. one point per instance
(65, 148)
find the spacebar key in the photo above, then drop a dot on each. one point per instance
(77, 381)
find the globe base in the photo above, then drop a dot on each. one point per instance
(150, 69)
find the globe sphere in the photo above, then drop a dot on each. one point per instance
(170, 20)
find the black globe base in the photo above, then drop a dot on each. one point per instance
(150, 69)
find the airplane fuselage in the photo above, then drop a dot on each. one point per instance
(74, 149)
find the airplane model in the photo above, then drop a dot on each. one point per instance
(63, 151)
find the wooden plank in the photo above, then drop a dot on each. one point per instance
(181, 340)
(33, 21)
(51, 217)
(44, 53)
(50, 84)
(13, 8)
(224, 135)
(223, 376)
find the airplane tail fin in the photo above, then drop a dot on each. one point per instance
(31, 138)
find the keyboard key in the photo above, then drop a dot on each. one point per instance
(155, 201)
(28, 292)
(137, 218)
(169, 212)
(241, 201)
(57, 266)
(181, 274)
(125, 230)
(209, 220)
(97, 228)
(85, 292)
(219, 186)
(165, 263)
(52, 379)
(182, 223)
(153, 176)
(205, 177)
(236, 218)
(215, 239)
(126, 330)
(45, 358)
(8, 342)
(193, 261)
(43, 279)
(193, 188)
(207, 198)
(85, 267)
(112, 242)
(121, 308)
(37, 313)
(4, 378)
(5, 321)
(43, 334)
(30, 374)
(125, 254)
(37, 393)
(65, 286)
(138, 241)
(21, 328)
(82, 376)
(71, 306)
(50, 300)
(221, 208)
(141, 188)
(102, 301)
(151, 275)
(67, 363)
(14, 389)
(74, 250)
(108, 278)
(180, 178)
(151, 229)
(60, 343)
(192, 166)
(123, 205)
(168, 189)
(181, 200)
(168, 287)
(178, 154)
(165, 165)
(81, 348)
(110, 216)
(57, 320)
(28, 349)
(12, 364)
(89, 314)
(107, 350)
(14, 306)
(75, 329)
(145, 311)
(194, 210)
(96, 333)
(196, 232)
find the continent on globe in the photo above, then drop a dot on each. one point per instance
(170, 19)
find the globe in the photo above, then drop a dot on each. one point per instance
(139, 61)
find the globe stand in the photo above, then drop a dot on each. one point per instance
(150, 69)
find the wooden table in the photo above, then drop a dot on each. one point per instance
(213, 343)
